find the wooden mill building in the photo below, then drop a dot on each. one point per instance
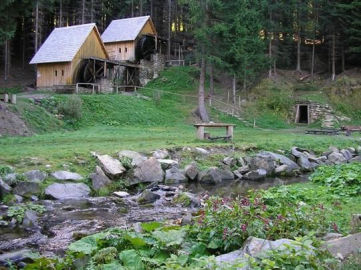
(60, 57)
(122, 36)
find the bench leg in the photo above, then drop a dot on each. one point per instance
(230, 131)
(200, 133)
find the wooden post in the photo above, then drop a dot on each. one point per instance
(230, 131)
(77, 88)
(200, 132)
(239, 101)
(105, 69)
(92, 89)
(210, 101)
(13, 98)
(228, 97)
(6, 98)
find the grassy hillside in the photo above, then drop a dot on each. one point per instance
(113, 122)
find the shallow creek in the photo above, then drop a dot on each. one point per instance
(66, 221)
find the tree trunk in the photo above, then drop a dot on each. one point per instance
(270, 56)
(201, 104)
(92, 11)
(140, 7)
(245, 79)
(151, 9)
(169, 26)
(36, 26)
(132, 7)
(6, 61)
(299, 41)
(211, 80)
(83, 12)
(313, 58)
(60, 13)
(343, 58)
(234, 86)
(333, 77)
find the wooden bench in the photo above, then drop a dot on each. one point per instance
(202, 135)
(350, 129)
(323, 131)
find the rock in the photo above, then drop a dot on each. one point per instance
(66, 176)
(34, 198)
(16, 257)
(149, 171)
(244, 169)
(214, 175)
(241, 162)
(355, 223)
(160, 154)
(346, 153)
(99, 179)
(336, 158)
(148, 196)
(201, 151)
(331, 236)
(191, 171)
(187, 199)
(344, 246)
(263, 162)
(121, 194)
(111, 166)
(292, 166)
(35, 176)
(358, 150)
(67, 191)
(333, 149)
(27, 188)
(352, 150)
(230, 161)
(253, 247)
(237, 174)
(18, 198)
(255, 175)
(174, 176)
(297, 152)
(281, 169)
(4, 188)
(10, 178)
(304, 163)
(167, 163)
(135, 157)
(30, 219)
(355, 159)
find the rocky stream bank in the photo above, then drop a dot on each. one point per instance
(46, 211)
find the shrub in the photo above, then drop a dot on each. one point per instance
(71, 108)
(225, 224)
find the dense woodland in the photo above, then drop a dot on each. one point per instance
(240, 37)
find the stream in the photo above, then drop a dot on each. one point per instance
(66, 221)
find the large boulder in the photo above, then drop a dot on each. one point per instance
(344, 246)
(283, 160)
(174, 176)
(27, 188)
(35, 176)
(304, 163)
(160, 154)
(254, 247)
(355, 159)
(336, 158)
(4, 188)
(191, 171)
(134, 157)
(266, 163)
(255, 175)
(67, 191)
(111, 166)
(149, 171)
(346, 153)
(187, 199)
(148, 196)
(99, 179)
(9, 259)
(66, 176)
(30, 219)
(214, 175)
(168, 163)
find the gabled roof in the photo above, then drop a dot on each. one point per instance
(125, 29)
(63, 44)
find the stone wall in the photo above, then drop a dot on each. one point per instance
(150, 69)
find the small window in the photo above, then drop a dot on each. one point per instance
(126, 49)
(56, 73)
(120, 50)
(62, 72)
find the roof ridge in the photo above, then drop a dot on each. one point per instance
(75, 26)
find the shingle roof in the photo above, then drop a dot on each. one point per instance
(63, 44)
(124, 29)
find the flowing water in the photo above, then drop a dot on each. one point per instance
(65, 221)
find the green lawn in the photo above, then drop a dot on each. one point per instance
(71, 146)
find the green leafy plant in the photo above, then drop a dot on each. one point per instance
(344, 179)
(18, 211)
(72, 107)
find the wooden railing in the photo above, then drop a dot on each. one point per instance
(93, 85)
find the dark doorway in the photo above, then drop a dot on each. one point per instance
(303, 114)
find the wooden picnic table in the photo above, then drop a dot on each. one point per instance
(201, 128)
